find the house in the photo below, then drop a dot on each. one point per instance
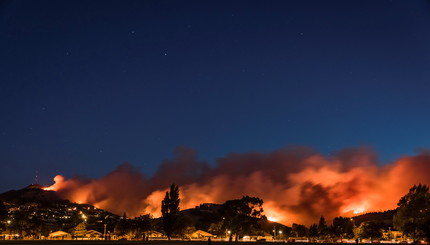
(199, 234)
(393, 236)
(264, 237)
(59, 235)
(154, 234)
(94, 235)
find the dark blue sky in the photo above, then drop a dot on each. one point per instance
(88, 85)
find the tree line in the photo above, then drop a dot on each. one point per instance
(246, 216)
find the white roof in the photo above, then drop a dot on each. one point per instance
(58, 233)
(202, 233)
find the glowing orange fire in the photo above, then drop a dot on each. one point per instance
(57, 185)
(297, 185)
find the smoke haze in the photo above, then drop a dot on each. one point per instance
(297, 184)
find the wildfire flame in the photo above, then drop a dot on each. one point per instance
(355, 208)
(297, 184)
(58, 183)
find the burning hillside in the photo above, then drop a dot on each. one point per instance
(297, 184)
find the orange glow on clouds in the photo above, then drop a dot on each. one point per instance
(296, 184)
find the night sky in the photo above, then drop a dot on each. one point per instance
(88, 85)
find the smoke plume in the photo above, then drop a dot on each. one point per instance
(297, 184)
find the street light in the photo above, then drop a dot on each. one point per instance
(104, 232)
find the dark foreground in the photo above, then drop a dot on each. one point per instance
(77, 242)
(74, 242)
(80, 242)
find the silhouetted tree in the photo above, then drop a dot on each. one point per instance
(3, 216)
(300, 231)
(141, 225)
(242, 216)
(122, 227)
(3, 211)
(322, 228)
(313, 232)
(369, 230)
(75, 219)
(413, 213)
(80, 230)
(170, 210)
(186, 227)
(216, 228)
(343, 227)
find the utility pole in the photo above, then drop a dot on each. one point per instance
(274, 233)
(36, 178)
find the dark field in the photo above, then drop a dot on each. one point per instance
(77, 242)
(73, 242)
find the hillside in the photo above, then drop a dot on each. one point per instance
(384, 217)
(32, 194)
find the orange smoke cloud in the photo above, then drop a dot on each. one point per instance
(297, 184)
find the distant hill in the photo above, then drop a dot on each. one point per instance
(385, 217)
(205, 214)
(32, 193)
